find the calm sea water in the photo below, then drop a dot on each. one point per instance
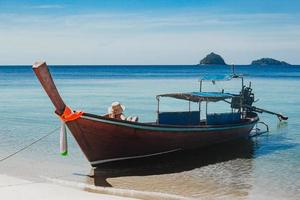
(267, 167)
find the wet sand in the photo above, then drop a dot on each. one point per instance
(15, 189)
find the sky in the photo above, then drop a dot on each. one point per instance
(146, 32)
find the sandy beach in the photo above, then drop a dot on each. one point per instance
(14, 188)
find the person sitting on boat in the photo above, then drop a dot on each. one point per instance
(116, 111)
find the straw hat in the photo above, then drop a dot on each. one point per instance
(116, 108)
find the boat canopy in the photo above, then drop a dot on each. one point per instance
(220, 77)
(199, 96)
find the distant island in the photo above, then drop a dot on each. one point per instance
(215, 59)
(268, 61)
(212, 59)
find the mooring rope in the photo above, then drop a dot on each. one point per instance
(29, 145)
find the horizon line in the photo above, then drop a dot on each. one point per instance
(78, 65)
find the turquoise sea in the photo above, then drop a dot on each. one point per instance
(266, 167)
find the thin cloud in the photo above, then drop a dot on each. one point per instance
(47, 6)
(193, 22)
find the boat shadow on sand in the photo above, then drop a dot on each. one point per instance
(173, 162)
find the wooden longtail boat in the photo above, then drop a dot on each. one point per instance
(104, 139)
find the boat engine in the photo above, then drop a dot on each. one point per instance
(247, 96)
(244, 100)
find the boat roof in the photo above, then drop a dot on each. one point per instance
(199, 96)
(220, 77)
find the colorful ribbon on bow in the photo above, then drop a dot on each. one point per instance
(68, 115)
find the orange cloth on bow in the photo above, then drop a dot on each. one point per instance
(69, 115)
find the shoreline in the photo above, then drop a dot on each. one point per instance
(15, 188)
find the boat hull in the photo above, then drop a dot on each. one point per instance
(105, 140)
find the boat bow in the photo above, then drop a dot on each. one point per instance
(41, 71)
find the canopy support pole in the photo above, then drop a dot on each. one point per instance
(200, 90)
(242, 99)
(157, 121)
(206, 111)
(199, 111)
